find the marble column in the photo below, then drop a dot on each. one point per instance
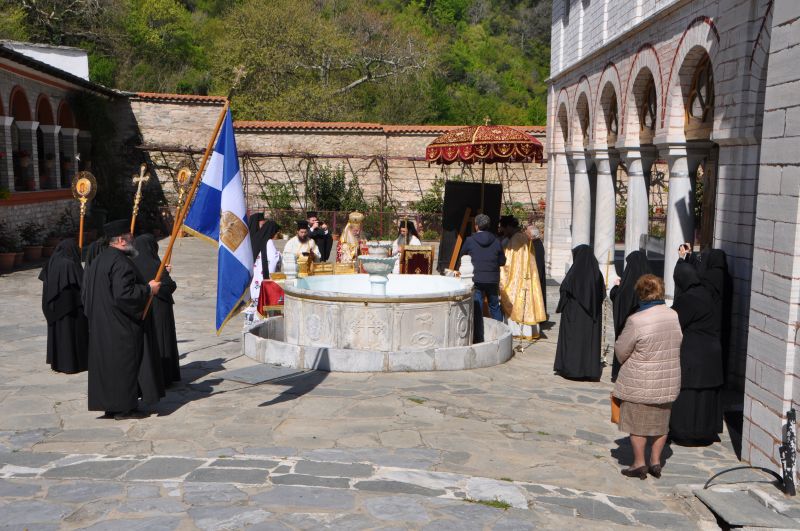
(605, 216)
(27, 143)
(6, 158)
(51, 149)
(638, 161)
(69, 148)
(680, 210)
(581, 202)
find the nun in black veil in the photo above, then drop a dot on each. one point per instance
(162, 328)
(623, 296)
(697, 413)
(581, 303)
(67, 327)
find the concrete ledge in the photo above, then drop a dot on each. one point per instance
(263, 343)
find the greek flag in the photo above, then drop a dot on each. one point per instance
(219, 214)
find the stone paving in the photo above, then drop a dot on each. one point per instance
(508, 447)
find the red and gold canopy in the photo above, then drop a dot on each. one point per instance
(484, 143)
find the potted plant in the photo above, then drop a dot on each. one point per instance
(6, 249)
(19, 256)
(32, 236)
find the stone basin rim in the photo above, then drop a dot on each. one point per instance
(460, 294)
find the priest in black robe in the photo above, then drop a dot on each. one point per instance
(67, 327)
(114, 296)
(697, 413)
(623, 296)
(161, 311)
(581, 307)
(318, 231)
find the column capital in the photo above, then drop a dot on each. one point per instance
(576, 153)
(70, 132)
(50, 129)
(85, 134)
(599, 153)
(27, 126)
(6, 121)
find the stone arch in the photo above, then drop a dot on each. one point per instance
(561, 127)
(2, 107)
(646, 68)
(44, 111)
(607, 106)
(65, 116)
(581, 123)
(700, 39)
(18, 105)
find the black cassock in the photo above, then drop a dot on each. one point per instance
(114, 296)
(324, 241)
(697, 413)
(161, 312)
(581, 305)
(538, 252)
(67, 327)
(624, 298)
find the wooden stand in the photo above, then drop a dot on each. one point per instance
(460, 238)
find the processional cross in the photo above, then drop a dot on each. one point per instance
(138, 180)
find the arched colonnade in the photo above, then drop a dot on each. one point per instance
(658, 108)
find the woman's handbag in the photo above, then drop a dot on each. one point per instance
(615, 402)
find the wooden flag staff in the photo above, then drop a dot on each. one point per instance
(138, 180)
(182, 211)
(239, 73)
(84, 188)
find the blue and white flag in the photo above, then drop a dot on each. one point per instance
(219, 213)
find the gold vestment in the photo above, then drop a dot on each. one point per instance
(520, 286)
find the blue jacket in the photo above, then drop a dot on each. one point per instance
(487, 257)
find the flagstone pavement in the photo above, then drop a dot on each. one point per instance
(508, 447)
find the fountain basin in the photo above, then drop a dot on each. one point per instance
(417, 312)
(264, 343)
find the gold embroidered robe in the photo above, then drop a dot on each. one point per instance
(520, 286)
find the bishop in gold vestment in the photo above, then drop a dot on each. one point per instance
(521, 288)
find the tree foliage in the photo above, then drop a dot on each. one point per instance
(395, 61)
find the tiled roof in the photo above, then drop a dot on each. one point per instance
(359, 126)
(305, 126)
(188, 98)
(19, 58)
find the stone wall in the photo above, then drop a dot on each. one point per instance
(14, 216)
(773, 361)
(387, 160)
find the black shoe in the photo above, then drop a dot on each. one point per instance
(132, 414)
(640, 472)
(655, 471)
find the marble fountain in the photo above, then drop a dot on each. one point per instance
(377, 322)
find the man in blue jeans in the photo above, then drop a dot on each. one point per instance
(487, 257)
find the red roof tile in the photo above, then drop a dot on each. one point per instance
(360, 126)
(190, 98)
(304, 126)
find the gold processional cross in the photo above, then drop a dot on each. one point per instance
(138, 180)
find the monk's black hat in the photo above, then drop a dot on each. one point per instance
(302, 224)
(117, 228)
(311, 214)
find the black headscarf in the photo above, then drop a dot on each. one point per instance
(624, 295)
(94, 250)
(685, 276)
(148, 263)
(259, 236)
(713, 270)
(412, 229)
(61, 272)
(584, 282)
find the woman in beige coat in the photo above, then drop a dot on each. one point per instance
(649, 379)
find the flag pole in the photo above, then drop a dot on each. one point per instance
(181, 214)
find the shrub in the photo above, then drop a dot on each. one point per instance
(430, 235)
(33, 233)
